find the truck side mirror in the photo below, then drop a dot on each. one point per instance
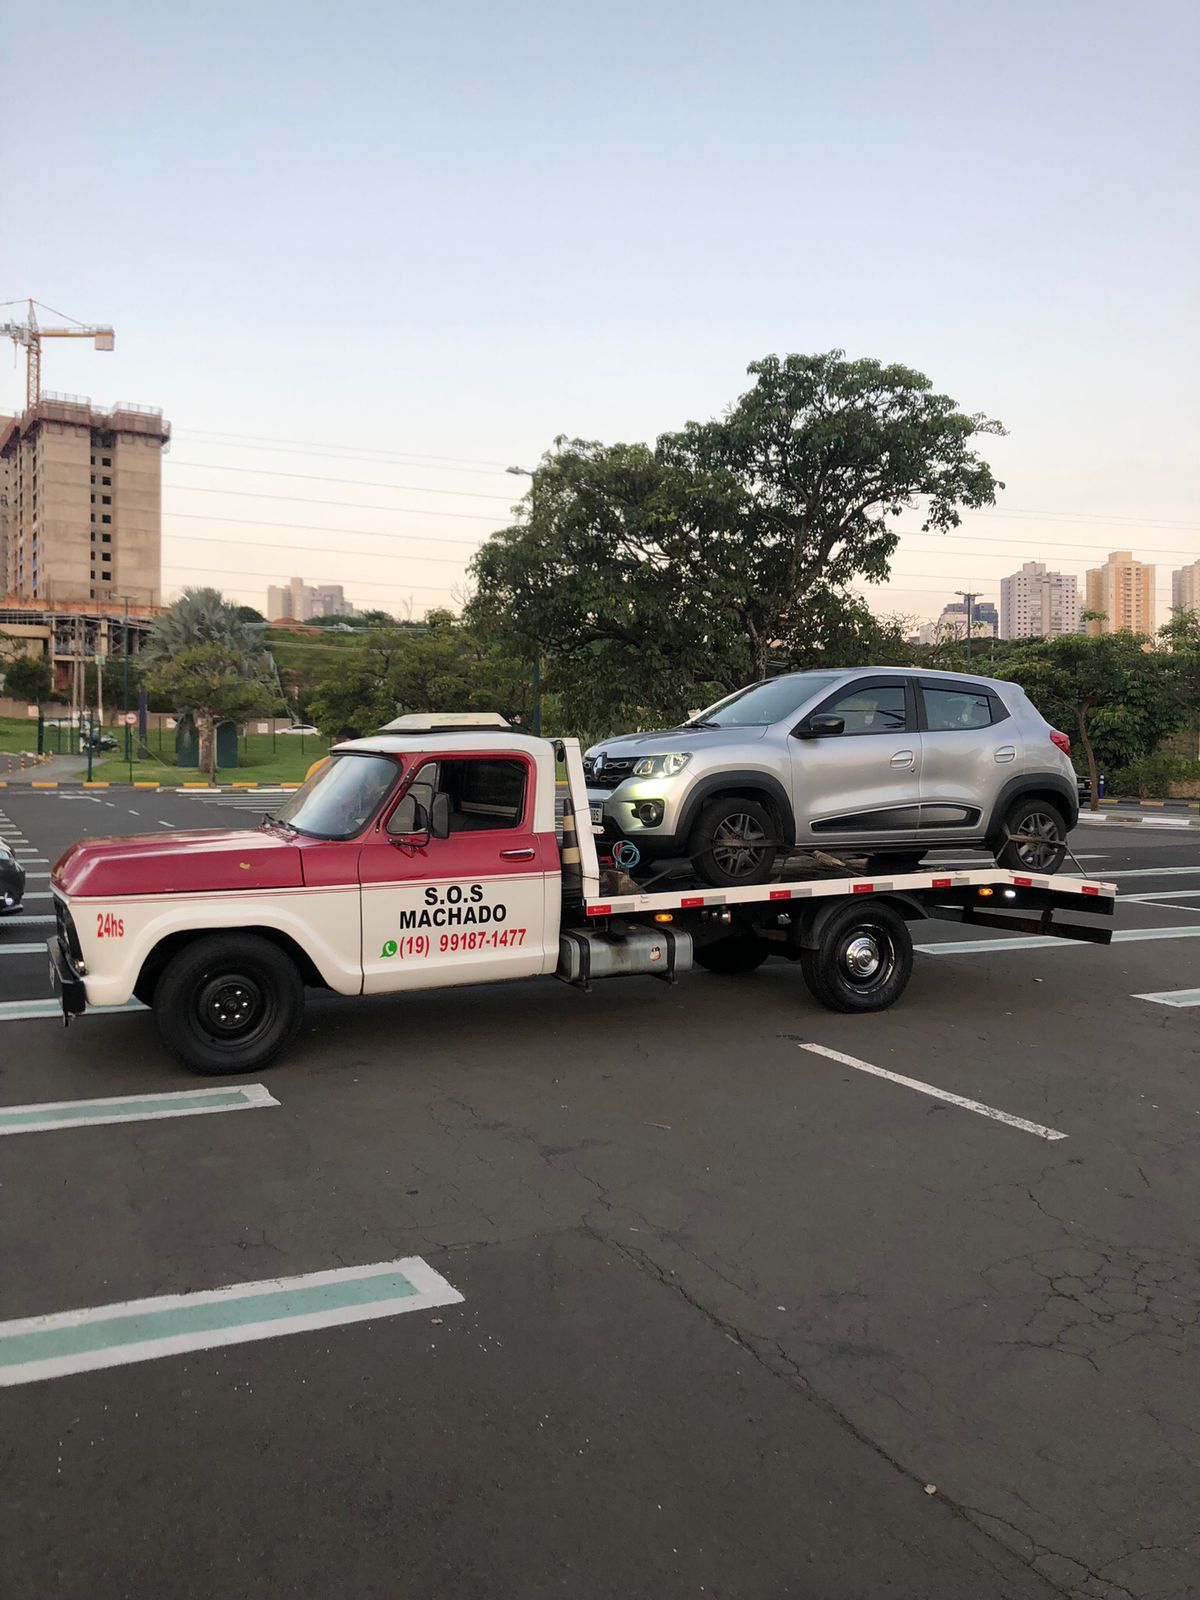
(820, 727)
(438, 817)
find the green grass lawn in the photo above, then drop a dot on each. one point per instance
(18, 733)
(287, 763)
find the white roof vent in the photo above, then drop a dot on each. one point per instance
(444, 721)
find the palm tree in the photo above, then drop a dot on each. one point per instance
(203, 616)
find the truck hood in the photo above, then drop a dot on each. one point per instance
(209, 860)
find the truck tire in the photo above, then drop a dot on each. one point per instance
(863, 961)
(228, 1003)
(1045, 830)
(741, 952)
(734, 843)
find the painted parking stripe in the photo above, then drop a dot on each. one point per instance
(1154, 872)
(968, 947)
(35, 1348)
(937, 1094)
(23, 949)
(1159, 894)
(38, 894)
(44, 1117)
(31, 1010)
(1173, 997)
(22, 922)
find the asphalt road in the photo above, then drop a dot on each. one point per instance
(738, 1320)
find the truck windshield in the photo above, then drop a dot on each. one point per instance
(764, 703)
(341, 797)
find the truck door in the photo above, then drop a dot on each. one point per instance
(470, 908)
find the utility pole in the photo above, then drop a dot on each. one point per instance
(535, 675)
(970, 597)
(128, 739)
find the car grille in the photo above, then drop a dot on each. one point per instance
(614, 771)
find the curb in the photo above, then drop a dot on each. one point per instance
(1090, 819)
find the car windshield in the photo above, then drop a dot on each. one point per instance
(764, 703)
(341, 797)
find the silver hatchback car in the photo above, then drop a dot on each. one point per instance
(884, 761)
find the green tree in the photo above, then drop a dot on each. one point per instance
(1112, 692)
(650, 576)
(440, 666)
(201, 616)
(27, 678)
(216, 683)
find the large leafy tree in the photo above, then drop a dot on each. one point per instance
(651, 577)
(201, 616)
(213, 682)
(1112, 694)
(27, 678)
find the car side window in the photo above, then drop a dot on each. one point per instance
(878, 709)
(485, 795)
(954, 710)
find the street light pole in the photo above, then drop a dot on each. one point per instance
(128, 740)
(535, 676)
(970, 597)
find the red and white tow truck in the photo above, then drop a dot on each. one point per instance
(449, 850)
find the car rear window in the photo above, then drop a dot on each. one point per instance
(951, 710)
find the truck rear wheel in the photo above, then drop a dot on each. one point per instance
(741, 952)
(228, 1003)
(863, 960)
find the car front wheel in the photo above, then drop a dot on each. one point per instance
(734, 843)
(228, 1003)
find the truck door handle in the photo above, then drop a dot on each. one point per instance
(902, 758)
(1006, 752)
(525, 854)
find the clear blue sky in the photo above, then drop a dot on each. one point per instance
(459, 230)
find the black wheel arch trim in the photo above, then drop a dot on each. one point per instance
(737, 781)
(1061, 789)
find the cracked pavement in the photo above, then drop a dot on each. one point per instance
(730, 1308)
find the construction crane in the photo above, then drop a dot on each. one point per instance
(30, 335)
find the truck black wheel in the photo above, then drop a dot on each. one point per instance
(1041, 842)
(741, 952)
(733, 843)
(228, 1003)
(863, 961)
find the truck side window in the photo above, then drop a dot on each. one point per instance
(485, 795)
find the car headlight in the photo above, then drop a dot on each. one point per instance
(662, 766)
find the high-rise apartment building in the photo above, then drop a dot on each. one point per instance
(1185, 589)
(1123, 589)
(1036, 604)
(81, 503)
(297, 601)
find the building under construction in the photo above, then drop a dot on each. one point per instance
(73, 636)
(81, 503)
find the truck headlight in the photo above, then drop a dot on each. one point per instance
(662, 766)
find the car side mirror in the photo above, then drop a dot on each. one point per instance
(438, 817)
(820, 727)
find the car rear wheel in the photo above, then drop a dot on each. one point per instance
(741, 952)
(228, 1003)
(863, 959)
(1035, 834)
(734, 843)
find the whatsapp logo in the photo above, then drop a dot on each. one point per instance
(389, 948)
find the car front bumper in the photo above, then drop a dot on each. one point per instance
(65, 978)
(623, 812)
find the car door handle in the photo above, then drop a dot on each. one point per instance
(902, 758)
(1006, 752)
(525, 854)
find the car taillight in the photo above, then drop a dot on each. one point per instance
(1061, 740)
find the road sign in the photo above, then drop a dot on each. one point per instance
(130, 718)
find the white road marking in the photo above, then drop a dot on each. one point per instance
(24, 949)
(1173, 997)
(39, 894)
(22, 922)
(164, 824)
(30, 877)
(34, 1348)
(1157, 894)
(967, 947)
(1155, 872)
(132, 812)
(45, 1116)
(937, 1094)
(38, 1010)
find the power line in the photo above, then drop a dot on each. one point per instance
(354, 483)
(321, 446)
(375, 583)
(373, 555)
(316, 527)
(346, 505)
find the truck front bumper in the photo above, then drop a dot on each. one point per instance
(65, 979)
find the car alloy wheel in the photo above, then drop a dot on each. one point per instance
(739, 845)
(1042, 842)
